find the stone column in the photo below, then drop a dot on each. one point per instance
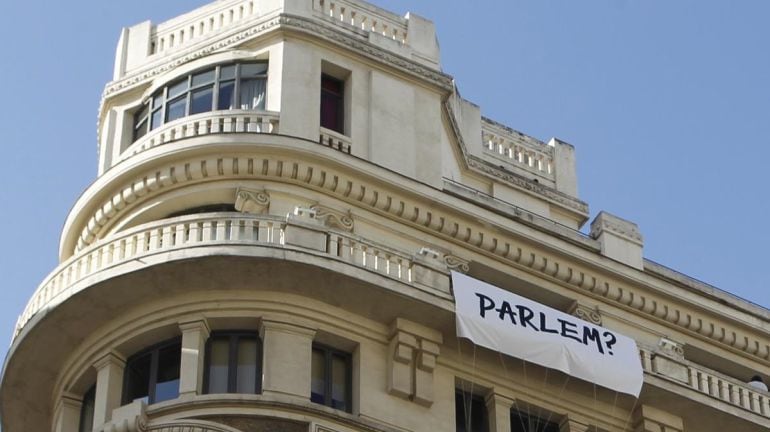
(499, 412)
(109, 386)
(194, 336)
(650, 419)
(570, 424)
(67, 416)
(287, 357)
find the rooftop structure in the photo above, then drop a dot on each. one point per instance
(285, 189)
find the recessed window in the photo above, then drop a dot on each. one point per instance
(470, 412)
(525, 422)
(331, 377)
(153, 374)
(233, 363)
(240, 85)
(87, 410)
(332, 103)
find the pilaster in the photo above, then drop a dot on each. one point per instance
(109, 386)
(194, 336)
(650, 419)
(411, 360)
(571, 424)
(67, 413)
(287, 357)
(499, 412)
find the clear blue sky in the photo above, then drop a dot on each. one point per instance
(667, 103)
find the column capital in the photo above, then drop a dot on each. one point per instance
(651, 419)
(110, 358)
(193, 324)
(285, 326)
(571, 424)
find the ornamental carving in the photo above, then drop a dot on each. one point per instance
(586, 313)
(252, 201)
(333, 218)
(457, 264)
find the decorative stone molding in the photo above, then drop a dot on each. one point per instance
(671, 348)
(128, 418)
(650, 419)
(456, 263)
(411, 360)
(191, 426)
(606, 222)
(252, 201)
(574, 274)
(333, 218)
(586, 313)
(570, 424)
(668, 360)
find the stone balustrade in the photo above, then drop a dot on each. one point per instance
(224, 229)
(178, 32)
(337, 141)
(707, 382)
(214, 122)
(364, 16)
(517, 149)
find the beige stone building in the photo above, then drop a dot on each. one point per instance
(284, 187)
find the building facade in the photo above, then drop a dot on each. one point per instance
(284, 189)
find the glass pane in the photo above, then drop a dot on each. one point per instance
(177, 89)
(332, 112)
(167, 383)
(176, 109)
(253, 70)
(226, 90)
(227, 72)
(202, 100)
(140, 129)
(138, 378)
(339, 383)
(317, 375)
(141, 115)
(203, 78)
(218, 358)
(252, 94)
(247, 366)
(157, 118)
(87, 411)
(157, 101)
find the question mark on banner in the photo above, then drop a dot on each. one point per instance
(610, 340)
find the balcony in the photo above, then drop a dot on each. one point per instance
(209, 123)
(239, 230)
(518, 151)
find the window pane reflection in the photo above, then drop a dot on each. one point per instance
(167, 385)
(247, 366)
(218, 356)
(339, 382)
(317, 381)
(202, 100)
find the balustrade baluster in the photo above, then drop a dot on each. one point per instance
(221, 230)
(745, 402)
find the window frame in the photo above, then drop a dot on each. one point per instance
(462, 395)
(154, 352)
(232, 360)
(329, 353)
(162, 110)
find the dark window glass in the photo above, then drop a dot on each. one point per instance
(226, 90)
(157, 100)
(227, 72)
(157, 118)
(210, 208)
(140, 122)
(153, 375)
(470, 412)
(177, 89)
(176, 109)
(523, 422)
(234, 363)
(87, 411)
(331, 376)
(203, 78)
(202, 100)
(332, 104)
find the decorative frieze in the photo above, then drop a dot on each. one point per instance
(412, 356)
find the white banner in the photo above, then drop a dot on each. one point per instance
(511, 324)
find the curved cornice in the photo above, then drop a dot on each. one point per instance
(480, 234)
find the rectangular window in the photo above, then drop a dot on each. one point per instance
(233, 363)
(153, 375)
(470, 412)
(331, 378)
(525, 422)
(332, 103)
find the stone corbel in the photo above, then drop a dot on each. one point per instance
(586, 313)
(412, 357)
(128, 418)
(333, 218)
(455, 263)
(252, 201)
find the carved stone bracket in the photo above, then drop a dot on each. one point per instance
(455, 263)
(252, 201)
(586, 313)
(411, 360)
(333, 218)
(668, 360)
